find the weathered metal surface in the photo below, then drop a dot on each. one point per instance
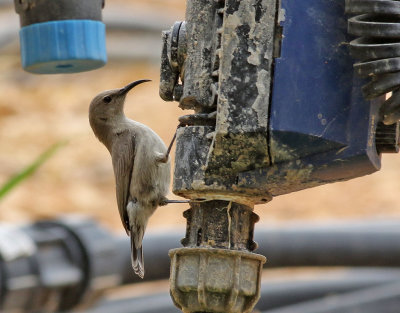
(225, 69)
(173, 58)
(202, 22)
(191, 179)
(247, 40)
(168, 76)
(220, 224)
(314, 128)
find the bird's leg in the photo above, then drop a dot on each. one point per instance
(177, 201)
(164, 201)
(164, 158)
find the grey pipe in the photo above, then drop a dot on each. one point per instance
(345, 244)
(97, 254)
(382, 299)
(368, 244)
(275, 294)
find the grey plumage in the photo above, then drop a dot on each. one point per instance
(140, 163)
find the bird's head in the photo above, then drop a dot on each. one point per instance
(109, 104)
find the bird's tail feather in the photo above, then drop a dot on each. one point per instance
(137, 258)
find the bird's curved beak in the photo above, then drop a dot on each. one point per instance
(130, 86)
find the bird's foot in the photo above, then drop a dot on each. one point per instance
(162, 158)
(163, 201)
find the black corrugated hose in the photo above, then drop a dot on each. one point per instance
(377, 49)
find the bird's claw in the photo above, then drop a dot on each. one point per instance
(162, 158)
(162, 202)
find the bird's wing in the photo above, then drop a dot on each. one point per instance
(123, 154)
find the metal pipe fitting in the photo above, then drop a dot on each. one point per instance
(215, 271)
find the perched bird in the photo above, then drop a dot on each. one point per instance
(140, 162)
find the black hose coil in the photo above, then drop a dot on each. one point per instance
(377, 23)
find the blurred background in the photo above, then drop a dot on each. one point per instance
(37, 111)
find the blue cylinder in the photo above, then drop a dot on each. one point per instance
(63, 46)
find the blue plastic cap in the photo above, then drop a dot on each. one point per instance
(66, 46)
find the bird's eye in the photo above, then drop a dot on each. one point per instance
(107, 99)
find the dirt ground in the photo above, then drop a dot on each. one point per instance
(37, 111)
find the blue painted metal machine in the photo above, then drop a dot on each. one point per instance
(274, 90)
(320, 123)
(278, 107)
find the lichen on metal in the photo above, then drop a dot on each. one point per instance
(225, 67)
(241, 134)
(192, 181)
(202, 23)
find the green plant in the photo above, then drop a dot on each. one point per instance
(29, 170)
